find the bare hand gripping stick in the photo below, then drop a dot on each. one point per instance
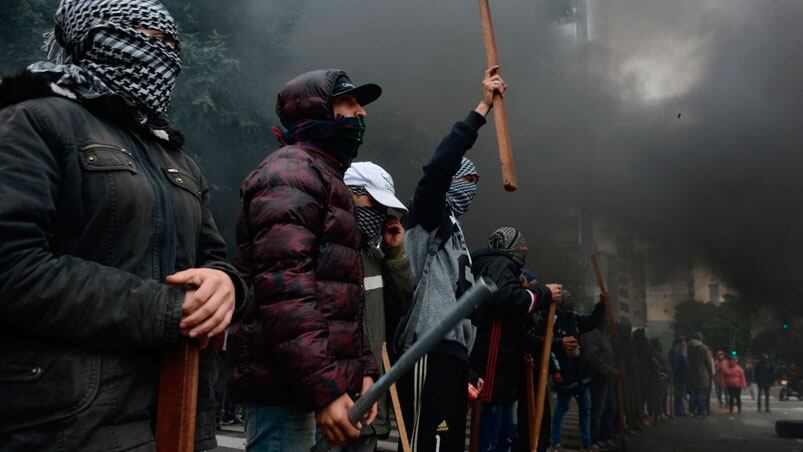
(478, 293)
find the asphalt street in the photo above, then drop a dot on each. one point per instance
(721, 431)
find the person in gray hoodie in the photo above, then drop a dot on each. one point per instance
(434, 393)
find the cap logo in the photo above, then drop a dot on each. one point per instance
(388, 181)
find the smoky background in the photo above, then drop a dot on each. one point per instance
(678, 121)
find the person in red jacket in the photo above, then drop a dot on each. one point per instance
(734, 381)
(300, 346)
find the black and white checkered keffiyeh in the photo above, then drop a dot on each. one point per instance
(511, 241)
(462, 192)
(102, 53)
(369, 219)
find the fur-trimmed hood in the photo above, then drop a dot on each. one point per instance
(25, 86)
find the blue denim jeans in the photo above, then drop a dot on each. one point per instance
(497, 427)
(700, 399)
(680, 398)
(278, 428)
(583, 398)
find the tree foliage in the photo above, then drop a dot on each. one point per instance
(721, 325)
(22, 25)
(742, 325)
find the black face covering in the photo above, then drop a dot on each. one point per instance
(340, 137)
(348, 136)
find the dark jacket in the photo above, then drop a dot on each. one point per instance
(679, 365)
(95, 213)
(301, 338)
(596, 346)
(658, 364)
(500, 324)
(765, 374)
(533, 336)
(574, 370)
(701, 366)
(388, 293)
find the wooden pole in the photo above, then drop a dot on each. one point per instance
(604, 296)
(616, 339)
(500, 113)
(394, 398)
(529, 379)
(178, 397)
(543, 374)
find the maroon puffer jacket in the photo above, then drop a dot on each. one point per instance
(300, 339)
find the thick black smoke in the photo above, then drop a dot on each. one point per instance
(679, 120)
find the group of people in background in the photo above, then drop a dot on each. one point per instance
(695, 372)
(110, 256)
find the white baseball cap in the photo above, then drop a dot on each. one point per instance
(376, 181)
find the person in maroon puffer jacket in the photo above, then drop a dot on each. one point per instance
(300, 346)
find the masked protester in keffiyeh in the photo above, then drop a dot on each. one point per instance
(501, 324)
(101, 48)
(369, 218)
(108, 246)
(511, 241)
(462, 192)
(441, 265)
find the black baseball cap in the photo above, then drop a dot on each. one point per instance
(365, 94)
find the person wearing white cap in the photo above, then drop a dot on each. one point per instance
(388, 282)
(375, 198)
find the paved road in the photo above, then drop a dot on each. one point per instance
(750, 431)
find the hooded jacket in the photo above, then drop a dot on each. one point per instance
(95, 213)
(301, 337)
